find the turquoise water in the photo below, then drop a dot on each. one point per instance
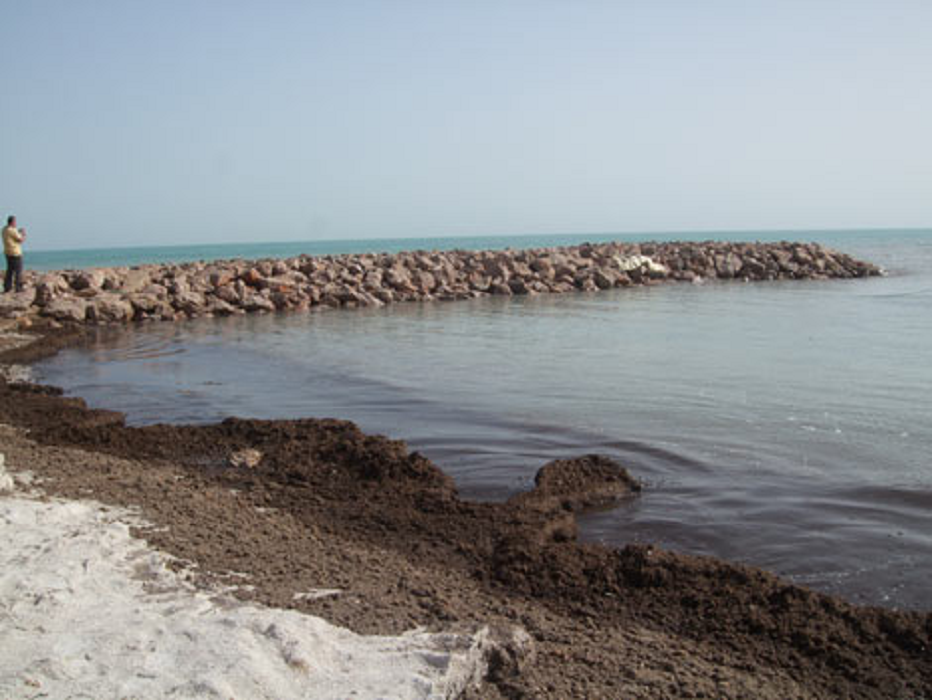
(782, 424)
(115, 257)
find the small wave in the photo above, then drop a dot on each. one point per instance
(131, 346)
(907, 294)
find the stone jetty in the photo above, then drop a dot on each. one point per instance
(170, 292)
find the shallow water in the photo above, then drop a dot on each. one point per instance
(781, 424)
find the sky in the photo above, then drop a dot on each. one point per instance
(132, 122)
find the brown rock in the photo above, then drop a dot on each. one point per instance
(256, 302)
(228, 294)
(66, 310)
(373, 279)
(753, 268)
(15, 305)
(221, 278)
(728, 265)
(111, 308)
(87, 279)
(544, 268)
(191, 303)
(497, 270)
(145, 303)
(251, 277)
(424, 281)
(517, 285)
(398, 278)
(135, 280)
(603, 279)
(477, 280)
(155, 290)
(384, 295)
(218, 307)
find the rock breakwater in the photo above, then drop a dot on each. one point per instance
(107, 296)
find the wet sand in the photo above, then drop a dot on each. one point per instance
(302, 504)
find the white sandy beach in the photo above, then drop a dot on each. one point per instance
(89, 611)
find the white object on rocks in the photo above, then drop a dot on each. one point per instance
(634, 262)
(247, 457)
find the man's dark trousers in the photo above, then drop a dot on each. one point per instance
(14, 273)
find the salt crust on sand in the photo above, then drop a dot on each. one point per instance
(88, 611)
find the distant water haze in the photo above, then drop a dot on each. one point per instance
(44, 260)
(780, 424)
(170, 122)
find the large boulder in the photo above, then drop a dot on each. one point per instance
(373, 279)
(278, 284)
(156, 290)
(191, 303)
(347, 295)
(604, 279)
(753, 268)
(517, 285)
(498, 269)
(48, 287)
(727, 265)
(424, 281)
(135, 280)
(252, 276)
(66, 310)
(478, 281)
(399, 278)
(544, 268)
(145, 303)
(110, 308)
(222, 277)
(87, 279)
(229, 294)
(218, 307)
(256, 302)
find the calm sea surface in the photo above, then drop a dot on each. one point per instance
(786, 425)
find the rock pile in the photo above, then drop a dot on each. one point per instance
(222, 288)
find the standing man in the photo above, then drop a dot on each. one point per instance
(12, 240)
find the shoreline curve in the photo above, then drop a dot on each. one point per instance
(287, 502)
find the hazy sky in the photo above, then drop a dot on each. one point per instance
(142, 122)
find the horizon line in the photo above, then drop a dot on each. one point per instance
(659, 232)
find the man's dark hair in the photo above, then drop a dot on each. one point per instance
(10, 219)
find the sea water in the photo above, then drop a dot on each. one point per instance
(786, 425)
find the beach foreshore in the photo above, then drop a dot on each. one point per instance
(89, 610)
(113, 296)
(316, 517)
(278, 509)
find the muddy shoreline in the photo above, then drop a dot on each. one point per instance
(294, 505)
